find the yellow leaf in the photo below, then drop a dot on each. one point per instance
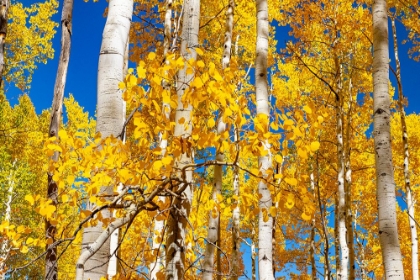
(273, 211)
(29, 241)
(200, 64)
(121, 85)
(167, 160)
(211, 123)
(24, 249)
(265, 215)
(30, 199)
(199, 51)
(307, 109)
(151, 56)
(63, 135)
(288, 122)
(291, 181)
(181, 120)
(306, 217)
(278, 158)
(302, 153)
(290, 201)
(315, 146)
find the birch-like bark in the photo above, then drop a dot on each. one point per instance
(5, 248)
(265, 225)
(51, 266)
(385, 184)
(235, 219)
(409, 194)
(4, 11)
(177, 221)
(115, 239)
(312, 249)
(110, 114)
(341, 209)
(100, 241)
(213, 235)
(327, 269)
(253, 256)
(347, 187)
(159, 225)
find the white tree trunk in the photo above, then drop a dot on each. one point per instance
(385, 184)
(341, 158)
(99, 243)
(159, 226)
(409, 194)
(265, 228)
(110, 113)
(5, 248)
(214, 221)
(177, 222)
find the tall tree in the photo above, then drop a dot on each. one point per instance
(51, 270)
(181, 206)
(213, 235)
(265, 225)
(385, 184)
(110, 113)
(406, 166)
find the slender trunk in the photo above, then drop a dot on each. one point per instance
(110, 115)
(409, 193)
(253, 256)
(159, 264)
(327, 269)
(265, 221)
(5, 248)
(177, 222)
(213, 235)
(4, 11)
(341, 208)
(312, 249)
(385, 184)
(235, 219)
(51, 267)
(347, 187)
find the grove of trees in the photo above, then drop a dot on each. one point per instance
(221, 147)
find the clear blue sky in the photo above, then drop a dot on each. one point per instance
(88, 23)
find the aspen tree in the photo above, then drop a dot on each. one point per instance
(159, 264)
(51, 269)
(181, 206)
(265, 224)
(110, 114)
(5, 246)
(385, 184)
(214, 220)
(408, 192)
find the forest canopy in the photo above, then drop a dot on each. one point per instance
(231, 140)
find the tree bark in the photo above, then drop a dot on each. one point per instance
(409, 194)
(385, 184)
(177, 221)
(213, 235)
(5, 248)
(51, 266)
(110, 114)
(4, 11)
(265, 224)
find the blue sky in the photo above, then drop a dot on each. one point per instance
(88, 23)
